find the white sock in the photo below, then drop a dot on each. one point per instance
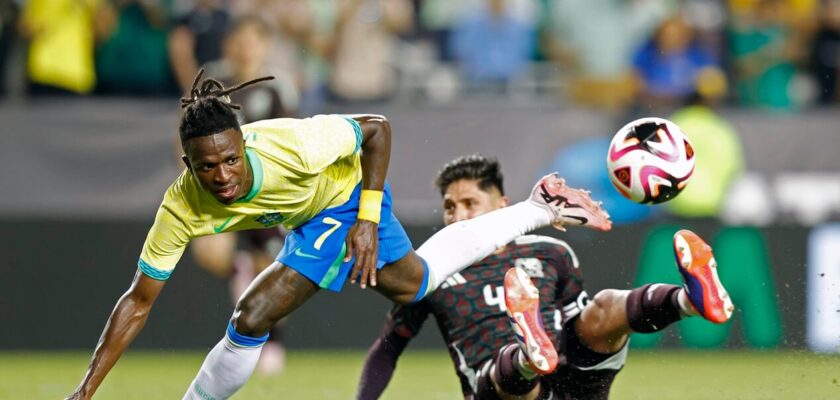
(461, 244)
(686, 309)
(224, 371)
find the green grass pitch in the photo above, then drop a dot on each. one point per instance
(429, 375)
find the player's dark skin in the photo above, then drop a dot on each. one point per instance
(218, 163)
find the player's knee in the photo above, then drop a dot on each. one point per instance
(607, 298)
(247, 320)
(602, 326)
(605, 303)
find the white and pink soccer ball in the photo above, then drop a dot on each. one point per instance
(650, 160)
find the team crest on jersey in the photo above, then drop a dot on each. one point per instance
(453, 280)
(270, 219)
(532, 266)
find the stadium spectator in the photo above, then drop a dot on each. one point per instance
(132, 56)
(288, 24)
(246, 51)
(302, 38)
(825, 53)
(436, 20)
(316, 43)
(197, 39)
(493, 44)
(593, 41)
(708, 20)
(668, 64)
(763, 51)
(365, 43)
(61, 42)
(720, 158)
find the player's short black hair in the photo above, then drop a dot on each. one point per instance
(208, 109)
(485, 170)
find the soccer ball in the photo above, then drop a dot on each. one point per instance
(650, 160)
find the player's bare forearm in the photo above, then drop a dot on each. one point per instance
(362, 239)
(126, 321)
(376, 150)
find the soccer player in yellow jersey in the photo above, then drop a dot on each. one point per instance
(324, 179)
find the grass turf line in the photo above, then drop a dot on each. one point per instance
(430, 375)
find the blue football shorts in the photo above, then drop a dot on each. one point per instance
(317, 248)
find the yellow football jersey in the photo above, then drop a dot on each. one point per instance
(300, 167)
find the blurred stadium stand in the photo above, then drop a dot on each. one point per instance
(109, 158)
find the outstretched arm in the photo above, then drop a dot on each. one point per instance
(404, 322)
(362, 239)
(380, 364)
(126, 321)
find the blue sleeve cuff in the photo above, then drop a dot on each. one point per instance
(152, 272)
(358, 130)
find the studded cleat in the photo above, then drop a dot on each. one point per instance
(522, 299)
(569, 206)
(699, 271)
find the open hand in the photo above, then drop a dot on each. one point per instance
(363, 242)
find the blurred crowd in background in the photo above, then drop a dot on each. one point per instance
(608, 54)
(680, 59)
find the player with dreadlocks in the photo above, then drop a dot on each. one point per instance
(324, 178)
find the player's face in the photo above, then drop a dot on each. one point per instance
(218, 163)
(464, 199)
